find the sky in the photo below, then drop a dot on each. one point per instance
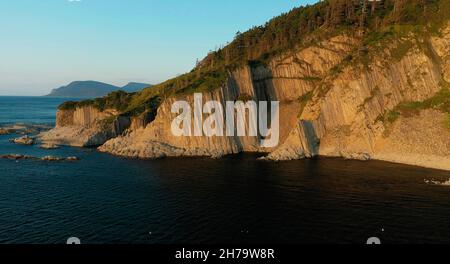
(45, 44)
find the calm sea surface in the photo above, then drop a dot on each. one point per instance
(106, 199)
(29, 110)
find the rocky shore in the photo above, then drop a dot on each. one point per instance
(30, 138)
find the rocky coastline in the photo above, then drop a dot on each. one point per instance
(28, 136)
(354, 113)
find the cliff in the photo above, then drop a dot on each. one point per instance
(346, 120)
(361, 95)
(85, 127)
(282, 80)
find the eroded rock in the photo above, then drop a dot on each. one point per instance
(25, 140)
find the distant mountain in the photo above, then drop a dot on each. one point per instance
(134, 87)
(92, 89)
(84, 89)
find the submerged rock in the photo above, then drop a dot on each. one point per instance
(49, 146)
(15, 156)
(51, 158)
(46, 158)
(25, 140)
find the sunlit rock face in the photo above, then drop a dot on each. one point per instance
(329, 105)
(85, 127)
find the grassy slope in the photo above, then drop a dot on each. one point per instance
(441, 101)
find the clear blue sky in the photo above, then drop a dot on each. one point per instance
(48, 43)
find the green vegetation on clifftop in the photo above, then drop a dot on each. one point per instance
(375, 22)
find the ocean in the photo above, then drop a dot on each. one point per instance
(29, 110)
(103, 199)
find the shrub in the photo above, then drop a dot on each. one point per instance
(401, 50)
(303, 100)
(440, 101)
(70, 105)
(244, 97)
(392, 116)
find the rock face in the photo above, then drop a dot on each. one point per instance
(329, 106)
(285, 79)
(420, 140)
(85, 127)
(302, 142)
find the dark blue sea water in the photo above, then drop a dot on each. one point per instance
(106, 199)
(29, 110)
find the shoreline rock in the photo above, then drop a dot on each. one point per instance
(4, 131)
(51, 158)
(45, 158)
(15, 156)
(23, 129)
(25, 140)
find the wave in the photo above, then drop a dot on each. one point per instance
(446, 183)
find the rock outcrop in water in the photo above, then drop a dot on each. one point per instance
(18, 157)
(341, 97)
(25, 140)
(4, 131)
(24, 129)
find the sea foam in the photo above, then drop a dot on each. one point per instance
(446, 183)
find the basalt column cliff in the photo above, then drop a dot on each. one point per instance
(355, 79)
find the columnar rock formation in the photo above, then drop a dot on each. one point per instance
(85, 127)
(330, 106)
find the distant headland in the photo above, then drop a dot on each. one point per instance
(92, 89)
